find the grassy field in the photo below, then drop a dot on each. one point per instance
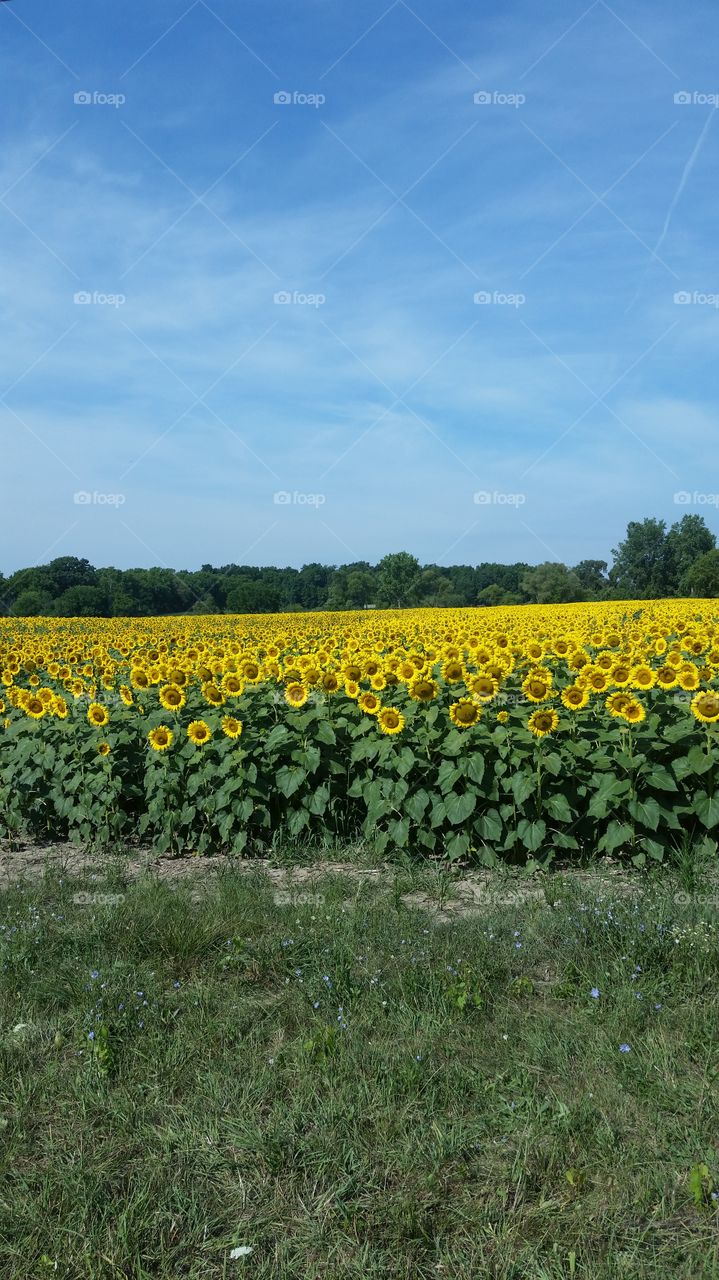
(342, 1088)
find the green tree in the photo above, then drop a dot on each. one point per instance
(702, 577)
(592, 575)
(494, 595)
(551, 583)
(687, 540)
(31, 604)
(641, 569)
(248, 596)
(397, 578)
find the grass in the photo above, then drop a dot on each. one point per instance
(351, 1092)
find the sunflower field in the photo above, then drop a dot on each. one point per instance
(521, 733)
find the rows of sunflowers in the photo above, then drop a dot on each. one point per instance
(520, 733)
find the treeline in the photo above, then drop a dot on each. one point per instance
(652, 561)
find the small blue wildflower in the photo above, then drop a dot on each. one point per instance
(625, 1048)
(594, 993)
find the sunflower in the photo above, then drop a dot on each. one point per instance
(172, 697)
(575, 698)
(126, 695)
(199, 732)
(369, 703)
(97, 715)
(423, 688)
(212, 694)
(666, 677)
(705, 706)
(464, 713)
(251, 671)
(616, 702)
(352, 689)
(453, 671)
(231, 727)
(484, 686)
(689, 678)
(502, 717)
(60, 708)
(537, 687)
(103, 748)
(390, 720)
(35, 708)
(233, 685)
(643, 677)
(541, 723)
(139, 678)
(296, 694)
(633, 712)
(160, 738)
(330, 682)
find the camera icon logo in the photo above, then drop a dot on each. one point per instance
(682, 298)
(283, 297)
(282, 498)
(682, 98)
(482, 98)
(82, 98)
(282, 98)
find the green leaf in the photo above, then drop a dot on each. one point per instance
(405, 761)
(489, 826)
(557, 807)
(399, 831)
(645, 811)
(447, 775)
(318, 800)
(552, 763)
(475, 768)
(289, 779)
(661, 778)
(460, 805)
(707, 809)
(325, 733)
(276, 737)
(523, 785)
(457, 846)
(416, 805)
(532, 832)
(616, 835)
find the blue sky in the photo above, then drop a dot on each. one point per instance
(577, 196)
